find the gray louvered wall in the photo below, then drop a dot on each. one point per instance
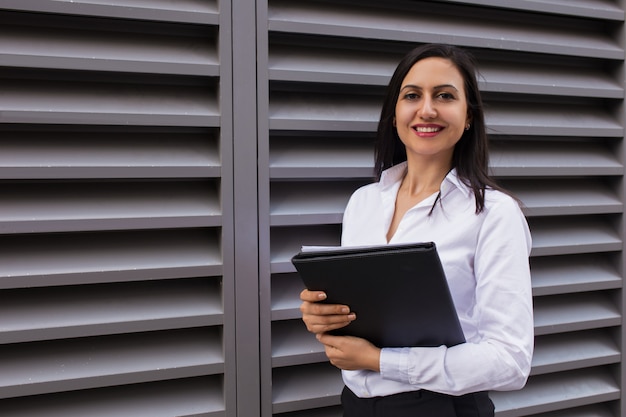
(131, 200)
(115, 278)
(552, 77)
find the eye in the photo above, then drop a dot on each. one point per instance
(446, 96)
(411, 96)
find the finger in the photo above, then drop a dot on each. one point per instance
(312, 296)
(321, 324)
(320, 309)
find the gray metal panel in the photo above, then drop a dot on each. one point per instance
(117, 229)
(554, 113)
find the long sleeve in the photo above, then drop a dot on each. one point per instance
(485, 258)
(498, 354)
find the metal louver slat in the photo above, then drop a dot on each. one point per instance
(558, 391)
(42, 260)
(328, 156)
(397, 25)
(108, 104)
(189, 11)
(105, 361)
(80, 49)
(310, 203)
(558, 236)
(542, 158)
(561, 352)
(285, 303)
(291, 111)
(599, 9)
(565, 313)
(562, 198)
(309, 386)
(574, 273)
(52, 153)
(352, 65)
(78, 311)
(189, 397)
(107, 206)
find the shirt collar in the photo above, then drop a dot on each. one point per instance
(393, 175)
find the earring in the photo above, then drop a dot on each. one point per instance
(467, 126)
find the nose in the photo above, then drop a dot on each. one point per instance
(427, 110)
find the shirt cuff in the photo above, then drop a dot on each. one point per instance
(393, 364)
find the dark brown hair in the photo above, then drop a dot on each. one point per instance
(470, 156)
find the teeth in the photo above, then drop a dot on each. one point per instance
(427, 129)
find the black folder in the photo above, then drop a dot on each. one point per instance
(399, 292)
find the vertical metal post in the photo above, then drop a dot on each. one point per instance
(245, 206)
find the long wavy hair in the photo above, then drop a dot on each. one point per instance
(470, 156)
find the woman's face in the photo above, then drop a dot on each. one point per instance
(431, 111)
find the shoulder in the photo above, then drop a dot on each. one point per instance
(364, 194)
(496, 200)
(504, 217)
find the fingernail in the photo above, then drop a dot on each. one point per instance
(321, 296)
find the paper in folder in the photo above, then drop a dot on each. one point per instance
(399, 293)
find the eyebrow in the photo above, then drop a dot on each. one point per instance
(437, 87)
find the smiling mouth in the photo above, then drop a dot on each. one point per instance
(426, 129)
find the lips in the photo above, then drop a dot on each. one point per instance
(427, 129)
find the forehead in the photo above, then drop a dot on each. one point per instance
(434, 71)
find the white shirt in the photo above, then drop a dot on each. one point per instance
(485, 258)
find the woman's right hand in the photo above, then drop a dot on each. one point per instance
(320, 317)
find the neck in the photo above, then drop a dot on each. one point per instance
(424, 179)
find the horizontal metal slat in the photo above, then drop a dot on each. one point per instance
(66, 312)
(557, 391)
(537, 119)
(82, 258)
(594, 410)
(549, 79)
(59, 102)
(561, 198)
(315, 63)
(293, 345)
(63, 207)
(335, 112)
(545, 158)
(188, 11)
(574, 273)
(287, 241)
(573, 235)
(107, 361)
(189, 397)
(301, 387)
(334, 156)
(286, 289)
(74, 49)
(598, 9)
(562, 352)
(57, 153)
(294, 203)
(573, 312)
(407, 25)
(325, 112)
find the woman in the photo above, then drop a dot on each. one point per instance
(433, 185)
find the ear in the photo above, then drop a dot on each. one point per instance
(394, 121)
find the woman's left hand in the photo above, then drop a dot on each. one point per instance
(350, 353)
